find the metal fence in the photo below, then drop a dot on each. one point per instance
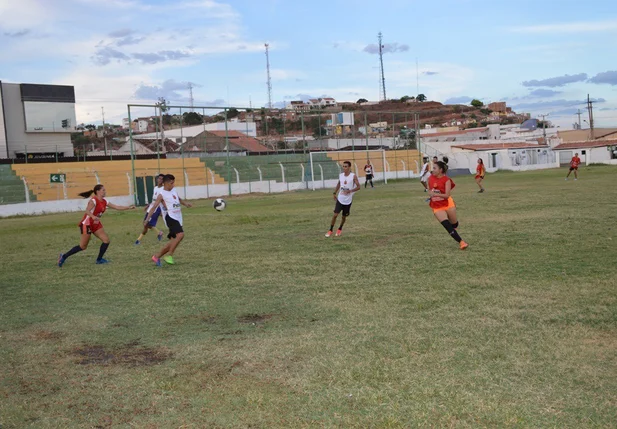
(215, 151)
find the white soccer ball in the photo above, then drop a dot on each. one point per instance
(219, 204)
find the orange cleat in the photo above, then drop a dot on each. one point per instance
(339, 232)
(464, 245)
(328, 234)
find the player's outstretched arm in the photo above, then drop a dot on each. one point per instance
(153, 209)
(185, 204)
(121, 208)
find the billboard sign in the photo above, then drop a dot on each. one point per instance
(49, 117)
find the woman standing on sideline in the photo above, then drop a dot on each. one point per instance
(91, 224)
(480, 172)
(444, 209)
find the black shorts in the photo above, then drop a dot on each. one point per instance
(174, 227)
(573, 168)
(345, 208)
(369, 177)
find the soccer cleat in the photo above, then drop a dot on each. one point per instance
(328, 234)
(61, 260)
(157, 261)
(160, 236)
(102, 261)
(137, 242)
(339, 232)
(169, 259)
(464, 245)
(575, 180)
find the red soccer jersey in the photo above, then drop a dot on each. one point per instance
(438, 184)
(480, 170)
(99, 208)
(575, 162)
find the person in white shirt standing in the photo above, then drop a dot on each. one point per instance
(425, 173)
(368, 170)
(157, 213)
(347, 185)
(171, 204)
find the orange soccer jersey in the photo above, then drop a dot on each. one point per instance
(438, 184)
(575, 162)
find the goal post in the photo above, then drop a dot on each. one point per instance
(327, 165)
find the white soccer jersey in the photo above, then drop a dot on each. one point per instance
(155, 195)
(425, 168)
(347, 184)
(172, 206)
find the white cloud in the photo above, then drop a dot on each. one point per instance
(569, 27)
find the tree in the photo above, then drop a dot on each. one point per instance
(362, 100)
(473, 116)
(192, 118)
(421, 98)
(166, 119)
(486, 111)
(472, 125)
(90, 127)
(405, 98)
(232, 113)
(476, 103)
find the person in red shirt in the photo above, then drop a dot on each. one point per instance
(91, 224)
(440, 188)
(480, 172)
(574, 163)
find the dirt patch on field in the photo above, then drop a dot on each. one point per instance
(130, 355)
(44, 335)
(255, 319)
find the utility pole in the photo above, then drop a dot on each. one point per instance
(383, 77)
(544, 126)
(578, 124)
(104, 133)
(269, 82)
(590, 109)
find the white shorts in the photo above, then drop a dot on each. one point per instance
(424, 178)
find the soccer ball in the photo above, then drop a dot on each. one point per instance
(219, 204)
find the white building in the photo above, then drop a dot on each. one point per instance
(590, 152)
(513, 156)
(180, 135)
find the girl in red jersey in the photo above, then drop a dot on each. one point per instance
(480, 172)
(440, 187)
(91, 224)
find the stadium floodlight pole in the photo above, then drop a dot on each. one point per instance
(132, 155)
(227, 146)
(158, 145)
(303, 133)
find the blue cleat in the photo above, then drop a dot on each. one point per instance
(157, 261)
(160, 236)
(102, 261)
(137, 242)
(61, 260)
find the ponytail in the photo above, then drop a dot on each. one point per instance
(445, 160)
(443, 166)
(90, 192)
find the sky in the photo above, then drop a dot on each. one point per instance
(541, 57)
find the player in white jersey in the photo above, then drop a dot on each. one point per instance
(155, 217)
(171, 205)
(368, 171)
(347, 185)
(425, 173)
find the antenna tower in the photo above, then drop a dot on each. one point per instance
(269, 83)
(192, 101)
(382, 92)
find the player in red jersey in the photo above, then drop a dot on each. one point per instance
(440, 187)
(574, 163)
(91, 224)
(480, 172)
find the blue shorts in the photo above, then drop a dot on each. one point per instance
(154, 218)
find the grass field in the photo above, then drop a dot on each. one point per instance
(263, 323)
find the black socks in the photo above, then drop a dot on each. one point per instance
(74, 250)
(102, 250)
(448, 226)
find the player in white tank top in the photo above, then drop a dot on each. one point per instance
(171, 206)
(347, 185)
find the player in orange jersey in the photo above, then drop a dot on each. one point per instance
(91, 224)
(574, 163)
(480, 172)
(440, 188)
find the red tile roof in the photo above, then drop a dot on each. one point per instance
(505, 145)
(240, 139)
(586, 144)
